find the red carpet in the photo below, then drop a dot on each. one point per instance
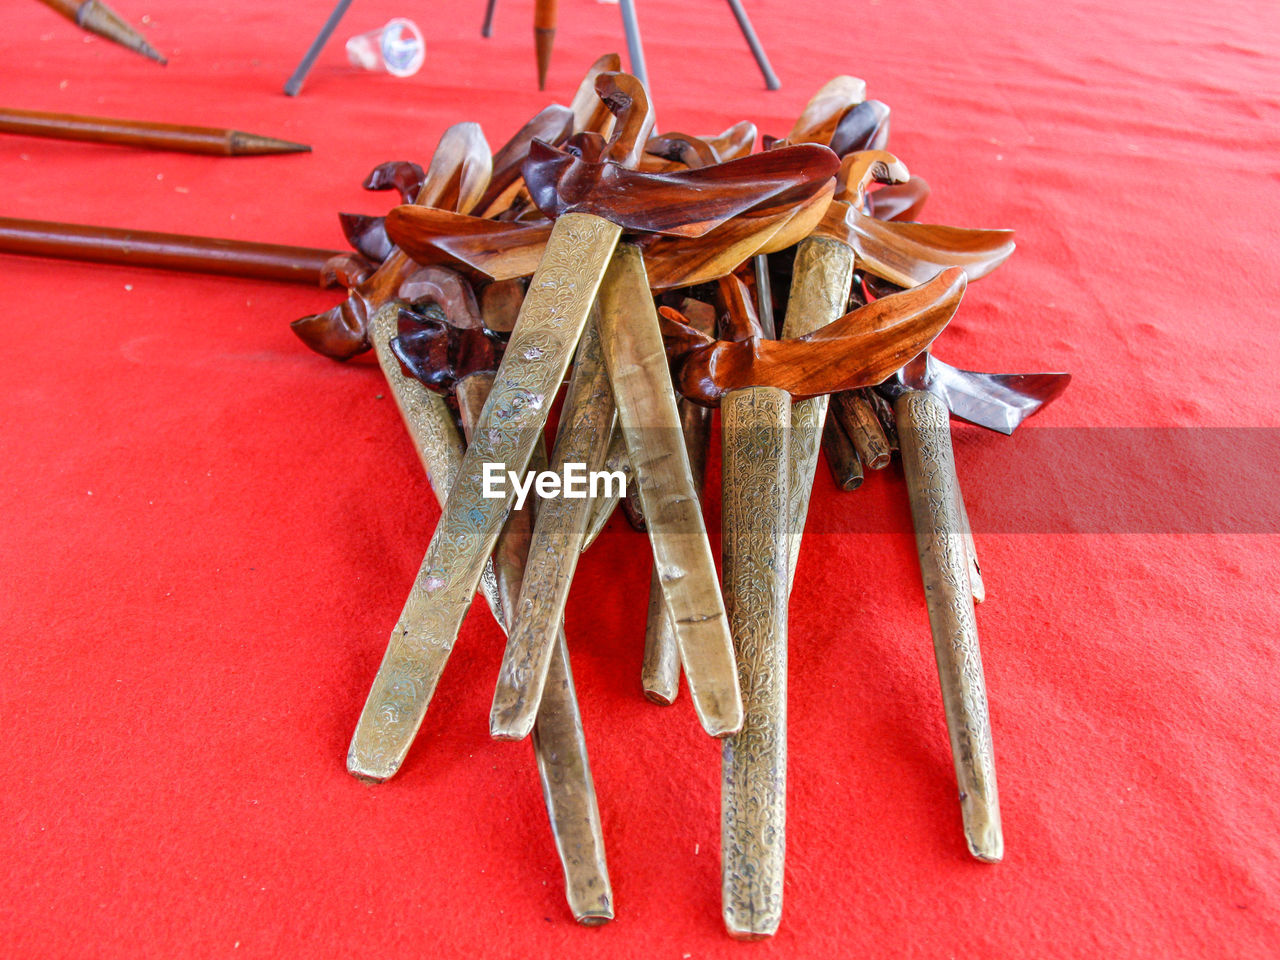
(209, 531)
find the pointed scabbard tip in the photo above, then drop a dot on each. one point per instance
(250, 144)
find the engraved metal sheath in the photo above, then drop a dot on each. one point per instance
(821, 278)
(977, 587)
(431, 427)
(924, 435)
(660, 673)
(533, 366)
(602, 509)
(637, 364)
(586, 421)
(755, 427)
(559, 745)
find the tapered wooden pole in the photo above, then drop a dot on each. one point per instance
(181, 138)
(168, 251)
(97, 17)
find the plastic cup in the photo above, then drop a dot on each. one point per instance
(396, 48)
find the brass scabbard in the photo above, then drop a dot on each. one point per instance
(430, 424)
(586, 420)
(559, 745)
(537, 357)
(637, 364)
(755, 424)
(821, 279)
(660, 674)
(924, 435)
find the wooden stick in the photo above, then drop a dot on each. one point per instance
(756, 424)
(97, 17)
(925, 435)
(861, 425)
(544, 36)
(168, 251)
(842, 458)
(143, 133)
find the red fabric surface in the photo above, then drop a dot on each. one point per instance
(208, 531)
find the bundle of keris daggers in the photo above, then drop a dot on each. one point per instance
(649, 261)
(644, 268)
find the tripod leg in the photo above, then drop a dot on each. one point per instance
(757, 51)
(635, 51)
(309, 58)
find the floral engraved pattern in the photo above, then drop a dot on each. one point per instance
(944, 563)
(821, 279)
(551, 319)
(756, 423)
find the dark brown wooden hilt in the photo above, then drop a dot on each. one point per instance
(861, 348)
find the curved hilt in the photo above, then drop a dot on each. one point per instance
(589, 112)
(553, 124)
(738, 320)
(367, 235)
(403, 176)
(459, 171)
(735, 142)
(457, 177)
(821, 115)
(859, 170)
(627, 100)
(438, 354)
(863, 127)
(860, 349)
(691, 151)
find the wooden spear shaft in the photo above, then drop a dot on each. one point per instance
(168, 251)
(182, 138)
(97, 17)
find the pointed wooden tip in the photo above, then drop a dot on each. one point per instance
(543, 40)
(100, 19)
(250, 144)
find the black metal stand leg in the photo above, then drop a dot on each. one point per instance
(635, 52)
(757, 51)
(487, 29)
(308, 60)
